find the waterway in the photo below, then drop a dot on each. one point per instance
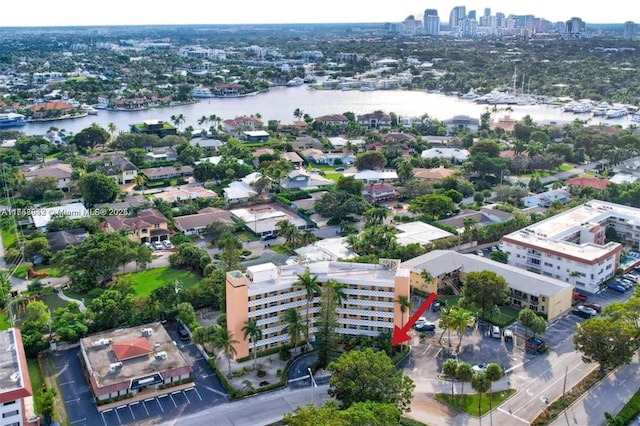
(280, 102)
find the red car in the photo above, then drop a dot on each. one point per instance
(593, 306)
(579, 296)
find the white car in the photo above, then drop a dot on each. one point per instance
(421, 320)
(479, 368)
(157, 245)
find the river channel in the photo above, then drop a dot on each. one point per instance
(280, 102)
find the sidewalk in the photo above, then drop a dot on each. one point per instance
(608, 396)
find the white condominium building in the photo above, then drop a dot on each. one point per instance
(266, 291)
(572, 247)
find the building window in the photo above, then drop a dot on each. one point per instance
(10, 414)
(9, 403)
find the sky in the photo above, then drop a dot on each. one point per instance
(38, 13)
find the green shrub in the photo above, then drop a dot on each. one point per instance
(284, 354)
(629, 411)
(261, 374)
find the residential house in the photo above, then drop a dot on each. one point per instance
(154, 127)
(61, 171)
(339, 142)
(590, 182)
(293, 158)
(330, 158)
(390, 145)
(506, 124)
(51, 109)
(115, 165)
(486, 216)
(379, 192)
(164, 153)
(300, 179)
(148, 226)
(333, 119)
(546, 198)
(433, 175)
(419, 233)
(195, 224)
(375, 120)
(454, 154)
(397, 137)
(314, 155)
(207, 143)
(629, 167)
(167, 172)
(240, 124)
(255, 135)
(58, 240)
(305, 142)
(462, 122)
(185, 192)
(238, 192)
(374, 176)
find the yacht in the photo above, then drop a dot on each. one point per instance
(296, 81)
(10, 119)
(367, 88)
(571, 106)
(89, 109)
(583, 108)
(201, 92)
(616, 112)
(601, 109)
(469, 96)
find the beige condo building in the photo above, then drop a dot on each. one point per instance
(266, 291)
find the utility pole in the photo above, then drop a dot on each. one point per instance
(564, 386)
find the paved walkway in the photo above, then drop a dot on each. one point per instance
(608, 396)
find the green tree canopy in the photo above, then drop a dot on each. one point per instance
(90, 137)
(370, 160)
(434, 206)
(369, 376)
(98, 188)
(484, 291)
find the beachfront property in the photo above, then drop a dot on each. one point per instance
(137, 362)
(572, 246)
(542, 294)
(266, 291)
(16, 401)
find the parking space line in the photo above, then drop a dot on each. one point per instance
(160, 405)
(78, 421)
(131, 410)
(173, 400)
(185, 395)
(196, 390)
(102, 414)
(117, 415)
(67, 383)
(145, 406)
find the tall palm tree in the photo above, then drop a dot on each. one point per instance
(449, 368)
(111, 127)
(310, 284)
(252, 331)
(481, 384)
(494, 373)
(140, 180)
(295, 325)
(287, 230)
(464, 373)
(375, 215)
(405, 305)
(298, 113)
(459, 320)
(445, 322)
(224, 341)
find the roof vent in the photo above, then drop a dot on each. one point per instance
(114, 366)
(101, 342)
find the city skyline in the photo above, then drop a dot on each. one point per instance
(143, 12)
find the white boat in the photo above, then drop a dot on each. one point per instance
(469, 96)
(89, 109)
(601, 109)
(616, 113)
(367, 89)
(201, 92)
(583, 108)
(296, 81)
(571, 106)
(635, 118)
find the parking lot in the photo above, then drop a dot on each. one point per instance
(206, 391)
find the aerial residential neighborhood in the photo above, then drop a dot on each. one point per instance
(405, 223)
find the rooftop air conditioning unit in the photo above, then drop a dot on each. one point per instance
(114, 366)
(101, 342)
(147, 332)
(161, 356)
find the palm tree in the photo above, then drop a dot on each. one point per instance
(140, 180)
(295, 325)
(287, 230)
(375, 215)
(464, 373)
(445, 322)
(494, 373)
(224, 341)
(449, 368)
(310, 284)
(111, 127)
(298, 113)
(200, 336)
(252, 330)
(481, 384)
(426, 276)
(405, 305)
(459, 320)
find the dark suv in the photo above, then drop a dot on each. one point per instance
(182, 333)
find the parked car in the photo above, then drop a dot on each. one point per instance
(315, 170)
(269, 237)
(579, 296)
(420, 321)
(535, 344)
(157, 245)
(437, 305)
(479, 368)
(631, 277)
(339, 169)
(584, 312)
(593, 306)
(508, 335)
(182, 333)
(495, 332)
(425, 326)
(479, 253)
(147, 244)
(616, 287)
(167, 244)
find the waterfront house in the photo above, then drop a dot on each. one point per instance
(240, 124)
(462, 122)
(255, 135)
(148, 226)
(333, 119)
(154, 127)
(375, 120)
(164, 153)
(51, 109)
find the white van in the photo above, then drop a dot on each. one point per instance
(495, 332)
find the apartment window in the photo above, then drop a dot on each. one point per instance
(9, 403)
(156, 226)
(10, 414)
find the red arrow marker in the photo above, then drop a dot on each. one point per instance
(400, 334)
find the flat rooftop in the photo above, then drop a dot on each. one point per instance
(14, 378)
(551, 233)
(420, 233)
(343, 272)
(101, 356)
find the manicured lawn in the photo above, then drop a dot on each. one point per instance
(20, 271)
(630, 410)
(243, 236)
(144, 282)
(504, 317)
(278, 248)
(4, 321)
(468, 403)
(564, 167)
(333, 176)
(36, 380)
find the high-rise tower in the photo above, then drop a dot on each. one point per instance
(431, 22)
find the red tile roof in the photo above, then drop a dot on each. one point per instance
(588, 181)
(131, 348)
(52, 106)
